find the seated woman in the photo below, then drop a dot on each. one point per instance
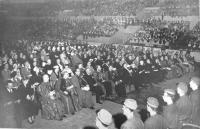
(69, 94)
(52, 107)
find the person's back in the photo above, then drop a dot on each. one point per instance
(133, 118)
(135, 123)
(184, 108)
(155, 122)
(194, 98)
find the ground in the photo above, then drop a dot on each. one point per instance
(86, 117)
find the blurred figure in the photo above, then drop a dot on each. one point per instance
(194, 98)
(155, 121)
(133, 118)
(170, 110)
(9, 104)
(183, 104)
(103, 119)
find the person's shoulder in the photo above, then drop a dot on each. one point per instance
(127, 125)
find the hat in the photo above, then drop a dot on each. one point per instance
(196, 80)
(131, 103)
(182, 86)
(105, 117)
(153, 102)
(170, 91)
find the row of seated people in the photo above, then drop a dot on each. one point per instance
(158, 35)
(61, 80)
(178, 112)
(103, 29)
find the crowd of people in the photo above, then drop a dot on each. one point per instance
(175, 35)
(60, 79)
(177, 113)
(105, 28)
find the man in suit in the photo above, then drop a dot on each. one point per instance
(133, 118)
(9, 106)
(194, 98)
(183, 104)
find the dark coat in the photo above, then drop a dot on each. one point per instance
(155, 122)
(195, 100)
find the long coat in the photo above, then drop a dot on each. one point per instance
(134, 123)
(195, 100)
(170, 114)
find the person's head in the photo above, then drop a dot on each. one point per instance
(166, 57)
(56, 68)
(169, 96)
(88, 71)
(36, 70)
(141, 62)
(34, 64)
(148, 61)
(80, 66)
(9, 84)
(58, 61)
(103, 119)
(27, 65)
(45, 78)
(78, 72)
(152, 105)
(130, 105)
(89, 64)
(157, 61)
(98, 68)
(182, 88)
(194, 83)
(49, 61)
(10, 61)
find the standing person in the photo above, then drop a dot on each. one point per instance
(155, 121)
(133, 118)
(103, 119)
(183, 104)
(194, 98)
(170, 110)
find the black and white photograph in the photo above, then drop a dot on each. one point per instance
(100, 64)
